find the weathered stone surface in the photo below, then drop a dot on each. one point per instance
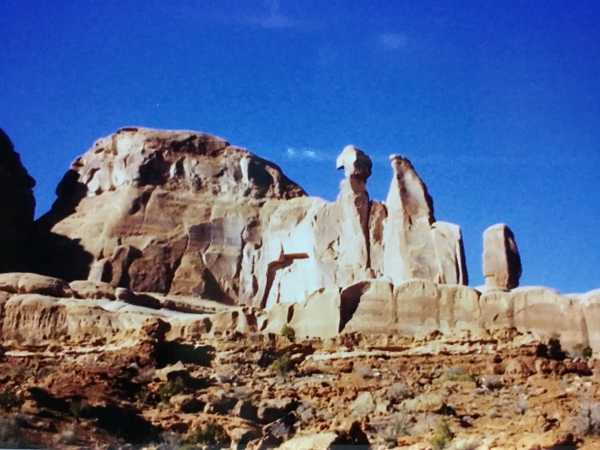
(414, 245)
(279, 315)
(93, 290)
(545, 312)
(242, 320)
(319, 315)
(459, 307)
(417, 304)
(501, 260)
(17, 205)
(31, 283)
(363, 405)
(187, 214)
(539, 310)
(355, 163)
(590, 305)
(375, 308)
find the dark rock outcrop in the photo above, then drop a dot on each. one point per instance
(17, 204)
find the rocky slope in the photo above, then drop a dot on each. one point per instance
(498, 390)
(16, 203)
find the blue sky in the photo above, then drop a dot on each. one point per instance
(497, 104)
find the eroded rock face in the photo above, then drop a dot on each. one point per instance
(501, 260)
(186, 213)
(16, 203)
(415, 246)
(158, 211)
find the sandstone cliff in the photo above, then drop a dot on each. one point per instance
(186, 213)
(16, 203)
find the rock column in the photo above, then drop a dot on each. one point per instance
(353, 201)
(501, 260)
(409, 250)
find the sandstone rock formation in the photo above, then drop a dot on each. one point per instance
(418, 306)
(16, 203)
(501, 260)
(186, 213)
(415, 245)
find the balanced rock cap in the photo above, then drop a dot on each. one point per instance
(355, 163)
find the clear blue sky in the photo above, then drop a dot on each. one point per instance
(497, 104)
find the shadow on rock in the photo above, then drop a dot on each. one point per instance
(173, 352)
(44, 399)
(50, 253)
(125, 424)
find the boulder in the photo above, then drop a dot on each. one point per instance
(9, 282)
(501, 259)
(31, 283)
(545, 312)
(270, 410)
(17, 204)
(363, 405)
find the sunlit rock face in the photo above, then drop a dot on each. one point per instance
(501, 259)
(17, 205)
(186, 213)
(415, 246)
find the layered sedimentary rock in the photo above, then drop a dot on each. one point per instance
(37, 307)
(186, 213)
(418, 306)
(501, 259)
(17, 205)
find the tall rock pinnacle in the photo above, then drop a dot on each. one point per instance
(353, 200)
(415, 245)
(501, 259)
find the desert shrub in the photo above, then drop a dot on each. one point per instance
(442, 435)
(143, 395)
(171, 388)
(9, 400)
(587, 420)
(79, 407)
(11, 435)
(288, 333)
(457, 374)
(397, 392)
(582, 350)
(398, 426)
(491, 382)
(211, 434)
(364, 372)
(283, 365)
(67, 436)
(171, 441)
